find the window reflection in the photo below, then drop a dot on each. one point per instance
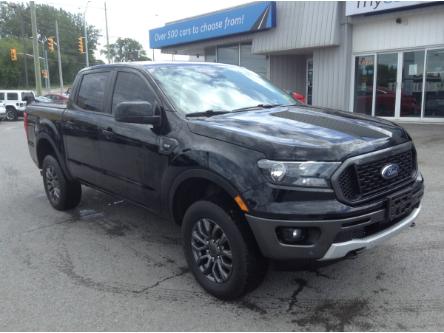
(196, 88)
(364, 70)
(434, 92)
(386, 85)
(412, 79)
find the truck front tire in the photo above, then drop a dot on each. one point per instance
(62, 193)
(221, 252)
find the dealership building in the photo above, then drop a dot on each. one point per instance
(372, 57)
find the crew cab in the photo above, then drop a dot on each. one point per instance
(248, 173)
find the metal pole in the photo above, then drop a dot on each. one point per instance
(86, 36)
(153, 54)
(25, 60)
(35, 50)
(45, 53)
(107, 36)
(59, 57)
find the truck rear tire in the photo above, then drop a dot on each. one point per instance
(11, 113)
(221, 252)
(62, 193)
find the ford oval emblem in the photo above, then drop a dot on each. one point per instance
(390, 171)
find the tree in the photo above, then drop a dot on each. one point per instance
(15, 23)
(126, 49)
(10, 71)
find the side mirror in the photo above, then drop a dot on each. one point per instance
(136, 112)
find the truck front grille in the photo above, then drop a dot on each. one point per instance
(361, 181)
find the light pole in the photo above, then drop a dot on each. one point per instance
(155, 15)
(86, 34)
(35, 50)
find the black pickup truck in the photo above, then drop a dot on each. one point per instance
(249, 173)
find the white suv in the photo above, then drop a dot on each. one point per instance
(2, 111)
(15, 102)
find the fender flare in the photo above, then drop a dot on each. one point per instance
(202, 174)
(60, 158)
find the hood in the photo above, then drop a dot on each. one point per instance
(302, 133)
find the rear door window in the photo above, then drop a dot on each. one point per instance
(91, 95)
(2, 96)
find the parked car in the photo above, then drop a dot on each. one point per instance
(2, 111)
(298, 96)
(43, 99)
(57, 98)
(247, 172)
(15, 101)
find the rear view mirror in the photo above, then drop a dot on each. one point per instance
(137, 112)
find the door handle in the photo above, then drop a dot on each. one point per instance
(108, 132)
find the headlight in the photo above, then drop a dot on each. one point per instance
(307, 174)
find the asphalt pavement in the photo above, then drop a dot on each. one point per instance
(109, 265)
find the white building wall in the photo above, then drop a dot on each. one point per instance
(289, 72)
(300, 24)
(331, 69)
(419, 27)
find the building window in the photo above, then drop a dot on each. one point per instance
(364, 72)
(210, 54)
(434, 90)
(228, 54)
(387, 71)
(309, 81)
(238, 54)
(254, 62)
(412, 81)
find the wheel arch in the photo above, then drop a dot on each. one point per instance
(203, 183)
(45, 145)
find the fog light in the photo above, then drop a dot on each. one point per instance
(291, 235)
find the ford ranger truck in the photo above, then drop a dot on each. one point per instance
(248, 173)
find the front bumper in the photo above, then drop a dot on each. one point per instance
(340, 250)
(336, 237)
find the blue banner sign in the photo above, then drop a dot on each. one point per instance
(253, 17)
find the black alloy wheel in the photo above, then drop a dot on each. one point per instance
(52, 184)
(212, 250)
(63, 194)
(221, 250)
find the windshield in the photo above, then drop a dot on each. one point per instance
(200, 87)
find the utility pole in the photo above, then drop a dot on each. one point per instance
(45, 55)
(59, 57)
(25, 60)
(35, 50)
(85, 28)
(107, 36)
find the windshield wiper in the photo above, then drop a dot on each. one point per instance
(259, 106)
(208, 113)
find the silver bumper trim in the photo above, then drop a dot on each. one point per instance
(340, 250)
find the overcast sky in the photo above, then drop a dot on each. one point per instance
(133, 19)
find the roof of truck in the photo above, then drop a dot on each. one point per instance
(139, 64)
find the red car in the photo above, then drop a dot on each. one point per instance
(297, 96)
(57, 98)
